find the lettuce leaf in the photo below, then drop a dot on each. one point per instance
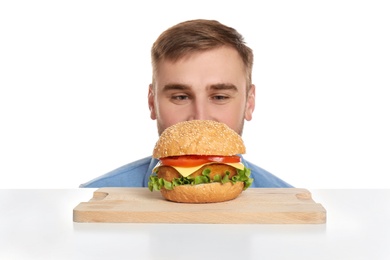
(156, 183)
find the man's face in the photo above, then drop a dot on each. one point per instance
(206, 85)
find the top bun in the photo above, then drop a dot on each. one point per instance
(199, 137)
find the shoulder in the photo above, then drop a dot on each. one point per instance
(130, 175)
(263, 178)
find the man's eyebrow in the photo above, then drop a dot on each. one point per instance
(175, 86)
(223, 86)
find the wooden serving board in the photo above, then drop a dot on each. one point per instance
(253, 206)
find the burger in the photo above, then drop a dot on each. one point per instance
(199, 162)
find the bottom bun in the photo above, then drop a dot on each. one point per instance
(204, 193)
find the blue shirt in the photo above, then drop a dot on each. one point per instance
(136, 174)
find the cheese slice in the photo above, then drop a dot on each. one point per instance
(187, 171)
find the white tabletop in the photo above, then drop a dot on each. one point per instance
(38, 224)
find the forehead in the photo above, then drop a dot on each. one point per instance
(220, 65)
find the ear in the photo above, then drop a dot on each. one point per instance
(151, 104)
(250, 102)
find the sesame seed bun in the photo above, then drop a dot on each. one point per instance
(204, 193)
(198, 137)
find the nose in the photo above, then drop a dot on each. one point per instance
(200, 110)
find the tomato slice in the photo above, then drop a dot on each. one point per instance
(194, 160)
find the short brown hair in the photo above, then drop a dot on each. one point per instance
(199, 35)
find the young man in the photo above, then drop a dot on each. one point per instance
(202, 69)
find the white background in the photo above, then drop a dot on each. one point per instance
(74, 78)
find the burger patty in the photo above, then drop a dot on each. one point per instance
(168, 173)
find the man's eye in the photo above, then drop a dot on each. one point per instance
(220, 97)
(179, 97)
